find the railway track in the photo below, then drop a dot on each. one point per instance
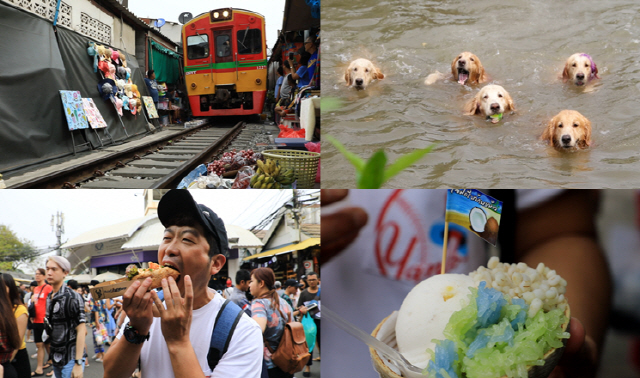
(159, 164)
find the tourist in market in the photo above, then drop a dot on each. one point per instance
(39, 298)
(66, 316)
(270, 312)
(20, 357)
(239, 292)
(178, 339)
(9, 335)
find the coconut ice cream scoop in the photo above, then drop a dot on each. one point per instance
(426, 311)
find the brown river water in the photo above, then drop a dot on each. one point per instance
(523, 46)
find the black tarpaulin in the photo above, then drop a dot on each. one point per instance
(35, 65)
(297, 16)
(80, 76)
(32, 124)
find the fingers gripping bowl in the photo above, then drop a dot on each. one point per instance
(509, 320)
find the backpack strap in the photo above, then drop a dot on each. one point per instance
(226, 321)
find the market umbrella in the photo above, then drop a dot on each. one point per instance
(83, 279)
(107, 276)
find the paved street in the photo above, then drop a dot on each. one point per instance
(95, 370)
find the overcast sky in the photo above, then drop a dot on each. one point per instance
(272, 10)
(28, 212)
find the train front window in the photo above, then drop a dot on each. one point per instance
(223, 45)
(249, 41)
(198, 46)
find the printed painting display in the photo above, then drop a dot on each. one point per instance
(73, 110)
(151, 107)
(93, 114)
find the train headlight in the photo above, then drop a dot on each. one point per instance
(222, 14)
(193, 85)
(258, 81)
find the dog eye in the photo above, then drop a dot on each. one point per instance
(586, 64)
(499, 94)
(472, 60)
(486, 97)
(460, 57)
(366, 70)
(560, 125)
(575, 125)
(355, 69)
(574, 65)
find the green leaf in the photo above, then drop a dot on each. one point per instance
(328, 104)
(372, 176)
(356, 160)
(405, 161)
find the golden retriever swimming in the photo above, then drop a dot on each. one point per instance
(361, 73)
(492, 101)
(568, 129)
(579, 69)
(466, 68)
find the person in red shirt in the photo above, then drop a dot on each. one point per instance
(39, 297)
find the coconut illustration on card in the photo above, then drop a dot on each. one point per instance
(475, 211)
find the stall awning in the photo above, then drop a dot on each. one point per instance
(289, 248)
(164, 62)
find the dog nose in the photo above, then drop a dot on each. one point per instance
(358, 81)
(495, 106)
(566, 139)
(462, 62)
(580, 76)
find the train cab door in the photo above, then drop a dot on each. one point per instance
(222, 48)
(199, 61)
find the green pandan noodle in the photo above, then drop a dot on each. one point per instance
(511, 357)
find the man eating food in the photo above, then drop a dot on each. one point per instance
(176, 342)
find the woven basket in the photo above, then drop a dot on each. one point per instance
(303, 163)
(386, 333)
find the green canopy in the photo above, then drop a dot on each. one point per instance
(164, 62)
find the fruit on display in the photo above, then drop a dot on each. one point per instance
(271, 175)
(233, 161)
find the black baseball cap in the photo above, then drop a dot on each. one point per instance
(178, 203)
(291, 282)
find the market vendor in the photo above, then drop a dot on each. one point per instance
(150, 80)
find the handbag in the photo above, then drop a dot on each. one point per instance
(292, 353)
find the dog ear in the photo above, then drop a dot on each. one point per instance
(481, 76)
(595, 69)
(548, 131)
(587, 130)
(472, 107)
(377, 74)
(510, 105)
(565, 73)
(347, 77)
(454, 71)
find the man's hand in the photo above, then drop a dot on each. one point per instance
(176, 318)
(340, 228)
(303, 310)
(580, 354)
(76, 372)
(138, 305)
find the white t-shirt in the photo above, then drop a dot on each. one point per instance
(400, 246)
(242, 359)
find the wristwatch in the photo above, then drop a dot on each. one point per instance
(80, 362)
(132, 335)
